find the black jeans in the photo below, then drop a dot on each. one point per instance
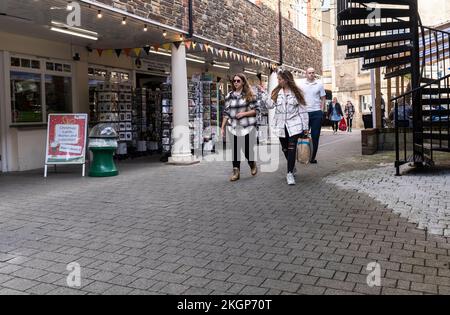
(349, 123)
(240, 143)
(315, 124)
(335, 125)
(289, 146)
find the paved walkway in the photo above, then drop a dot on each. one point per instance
(158, 229)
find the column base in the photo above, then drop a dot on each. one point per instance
(183, 160)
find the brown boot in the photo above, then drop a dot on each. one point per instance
(254, 169)
(236, 175)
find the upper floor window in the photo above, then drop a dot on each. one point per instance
(300, 18)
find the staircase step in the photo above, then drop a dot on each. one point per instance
(379, 52)
(365, 28)
(435, 101)
(435, 124)
(387, 63)
(398, 73)
(436, 112)
(398, 2)
(435, 91)
(363, 13)
(436, 136)
(427, 80)
(369, 41)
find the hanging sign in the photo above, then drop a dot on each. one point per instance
(66, 140)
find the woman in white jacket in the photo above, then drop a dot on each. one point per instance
(291, 118)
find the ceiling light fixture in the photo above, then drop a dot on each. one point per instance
(75, 31)
(145, 28)
(69, 6)
(250, 72)
(124, 21)
(164, 33)
(99, 14)
(221, 65)
(196, 60)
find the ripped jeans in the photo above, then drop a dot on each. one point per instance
(289, 146)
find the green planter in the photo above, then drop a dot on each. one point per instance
(103, 163)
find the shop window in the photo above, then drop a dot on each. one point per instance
(58, 94)
(26, 97)
(39, 87)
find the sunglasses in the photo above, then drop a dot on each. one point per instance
(237, 81)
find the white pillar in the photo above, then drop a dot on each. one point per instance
(181, 147)
(273, 83)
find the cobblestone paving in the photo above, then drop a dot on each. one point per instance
(157, 229)
(421, 198)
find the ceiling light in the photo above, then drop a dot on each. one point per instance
(181, 37)
(124, 21)
(69, 6)
(99, 14)
(195, 60)
(66, 29)
(250, 72)
(145, 28)
(69, 32)
(160, 53)
(220, 65)
(164, 33)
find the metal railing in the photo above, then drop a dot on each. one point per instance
(432, 126)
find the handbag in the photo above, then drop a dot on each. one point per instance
(343, 125)
(304, 150)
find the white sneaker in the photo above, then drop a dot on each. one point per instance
(290, 179)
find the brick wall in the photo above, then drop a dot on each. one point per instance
(238, 23)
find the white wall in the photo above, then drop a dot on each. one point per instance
(434, 12)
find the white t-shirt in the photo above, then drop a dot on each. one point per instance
(313, 94)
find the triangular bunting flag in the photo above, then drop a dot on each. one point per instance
(108, 52)
(206, 47)
(166, 46)
(177, 44)
(100, 52)
(212, 49)
(221, 52)
(216, 51)
(127, 51)
(137, 52)
(226, 53)
(194, 45)
(201, 46)
(147, 49)
(118, 52)
(188, 44)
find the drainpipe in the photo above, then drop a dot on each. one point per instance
(280, 17)
(191, 19)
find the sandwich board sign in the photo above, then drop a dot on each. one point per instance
(66, 140)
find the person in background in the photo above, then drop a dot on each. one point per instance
(315, 98)
(349, 113)
(241, 109)
(335, 114)
(291, 118)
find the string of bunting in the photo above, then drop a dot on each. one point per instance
(191, 46)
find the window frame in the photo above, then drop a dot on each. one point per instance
(43, 72)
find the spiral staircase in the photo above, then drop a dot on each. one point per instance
(390, 35)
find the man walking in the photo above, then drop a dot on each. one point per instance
(315, 97)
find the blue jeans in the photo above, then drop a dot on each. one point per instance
(315, 124)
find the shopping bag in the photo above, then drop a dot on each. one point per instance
(343, 125)
(304, 150)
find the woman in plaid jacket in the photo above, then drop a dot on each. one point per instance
(291, 118)
(241, 109)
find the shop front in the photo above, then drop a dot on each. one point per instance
(138, 80)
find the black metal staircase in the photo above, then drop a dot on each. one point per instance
(390, 35)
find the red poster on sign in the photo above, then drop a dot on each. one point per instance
(66, 139)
